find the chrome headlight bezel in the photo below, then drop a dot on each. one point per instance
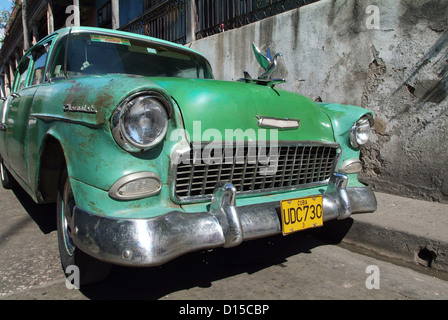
(360, 131)
(118, 125)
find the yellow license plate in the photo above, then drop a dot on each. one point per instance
(302, 213)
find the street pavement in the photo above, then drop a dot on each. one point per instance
(412, 231)
(405, 231)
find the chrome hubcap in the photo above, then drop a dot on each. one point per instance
(67, 207)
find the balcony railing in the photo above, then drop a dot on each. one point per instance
(185, 20)
(216, 16)
(165, 21)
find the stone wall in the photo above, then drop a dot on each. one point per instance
(334, 51)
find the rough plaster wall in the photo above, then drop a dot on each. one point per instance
(399, 71)
(406, 88)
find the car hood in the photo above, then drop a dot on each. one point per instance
(215, 110)
(209, 108)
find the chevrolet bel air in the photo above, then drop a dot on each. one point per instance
(148, 157)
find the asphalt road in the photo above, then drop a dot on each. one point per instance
(298, 266)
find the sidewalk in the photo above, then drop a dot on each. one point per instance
(415, 231)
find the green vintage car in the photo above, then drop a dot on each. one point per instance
(148, 157)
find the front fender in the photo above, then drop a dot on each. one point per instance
(342, 118)
(76, 113)
(95, 162)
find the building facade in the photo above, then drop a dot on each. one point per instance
(181, 21)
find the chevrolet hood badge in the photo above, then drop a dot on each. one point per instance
(277, 123)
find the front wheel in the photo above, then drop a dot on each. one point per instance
(91, 270)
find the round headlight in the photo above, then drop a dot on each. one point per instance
(144, 122)
(140, 122)
(360, 132)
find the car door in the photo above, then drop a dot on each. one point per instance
(7, 123)
(3, 111)
(17, 115)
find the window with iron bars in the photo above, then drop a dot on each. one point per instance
(168, 19)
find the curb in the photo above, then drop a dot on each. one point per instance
(410, 248)
(412, 231)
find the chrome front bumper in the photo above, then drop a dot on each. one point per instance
(154, 241)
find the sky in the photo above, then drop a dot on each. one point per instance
(5, 4)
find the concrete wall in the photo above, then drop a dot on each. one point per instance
(399, 71)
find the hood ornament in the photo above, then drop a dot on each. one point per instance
(268, 63)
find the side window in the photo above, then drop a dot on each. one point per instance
(57, 65)
(40, 58)
(21, 75)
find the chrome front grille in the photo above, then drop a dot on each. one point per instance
(249, 171)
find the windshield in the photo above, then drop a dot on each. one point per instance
(100, 54)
